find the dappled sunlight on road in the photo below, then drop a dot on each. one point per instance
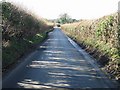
(64, 66)
(54, 52)
(58, 64)
(28, 83)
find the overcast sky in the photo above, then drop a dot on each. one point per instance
(79, 9)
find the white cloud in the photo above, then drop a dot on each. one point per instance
(88, 9)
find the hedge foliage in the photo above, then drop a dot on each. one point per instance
(103, 36)
(20, 32)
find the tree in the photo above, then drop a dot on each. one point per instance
(64, 18)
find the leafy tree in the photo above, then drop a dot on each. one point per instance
(65, 18)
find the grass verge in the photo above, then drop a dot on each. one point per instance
(18, 48)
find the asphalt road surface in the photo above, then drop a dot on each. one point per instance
(58, 63)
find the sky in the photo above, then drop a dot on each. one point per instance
(77, 9)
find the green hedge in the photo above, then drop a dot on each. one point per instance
(102, 35)
(21, 31)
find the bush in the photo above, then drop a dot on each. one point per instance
(21, 31)
(102, 35)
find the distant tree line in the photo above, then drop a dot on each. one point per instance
(64, 18)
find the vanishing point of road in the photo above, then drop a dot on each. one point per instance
(57, 63)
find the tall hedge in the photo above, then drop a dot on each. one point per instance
(102, 36)
(20, 31)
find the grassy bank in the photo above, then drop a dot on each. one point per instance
(101, 39)
(17, 49)
(21, 31)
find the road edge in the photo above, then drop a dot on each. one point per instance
(92, 61)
